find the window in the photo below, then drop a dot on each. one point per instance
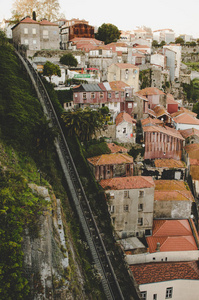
(140, 207)
(116, 94)
(26, 42)
(92, 95)
(115, 104)
(143, 295)
(111, 209)
(101, 94)
(140, 221)
(155, 296)
(25, 30)
(129, 105)
(124, 130)
(122, 94)
(141, 194)
(109, 94)
(126, 207)
(126, 194)
(34, 31)
(34, 42)
(84, 96)
(169, 292)
(45, 34)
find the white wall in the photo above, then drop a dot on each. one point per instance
(157, 59)
(179, 126)
(162, 256)
(182, 289)
(124, 137)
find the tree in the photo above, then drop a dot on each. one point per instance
(69, 60)
(155, 43)
(108, 33)
(162, 43)
(180, 41)
(43, 9)
(83, 122)
(51, 69)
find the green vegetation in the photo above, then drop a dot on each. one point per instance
(83, 122)
(69, 60)
(64, 96)
(95, 148)
(192, 90)
(193, 65)
(24, 127)
(51, 69)
(145, 78)
(108, 33)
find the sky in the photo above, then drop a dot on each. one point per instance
(179, 15)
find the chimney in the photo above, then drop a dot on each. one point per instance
(34, 15)
(158, 247)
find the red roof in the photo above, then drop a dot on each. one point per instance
(126, 66)
(28, 20)
(189, 132)
(166, 130)
(171, 100)
(149, 120)
(116, 148)
(111, 159)
(149, 91)
(131, 182)
(45, 22)
(186, 118)
(165, 271)
(123, 116)
(172, 235)
(118, 85)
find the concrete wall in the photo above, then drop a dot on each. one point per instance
(126, 222)
(31, 39)
(172, 209)
(52, 42)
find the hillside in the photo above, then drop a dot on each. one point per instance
(42, 253)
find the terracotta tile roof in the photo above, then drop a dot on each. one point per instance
(173, 235)
(165, 271)
(169, 163)
(185, 118)
(131, 182)
(165, 228)
(194, 161)
(151, 112)
(194, 172)
(28, 20)
(116, 148)
(126, 66)
(192, 150)
(151, 121)
(160, 111)
(150, 91)
(189, 132)
(111, 159)
(170, 99)
(183, 110)
(173, 196)
(123, 116)
(178, 243)
(166, 130)
(118, 85)
(45, 22)
(170, 185)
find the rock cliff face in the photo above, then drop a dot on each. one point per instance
(46, 261)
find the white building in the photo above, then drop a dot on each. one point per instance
(175, 280)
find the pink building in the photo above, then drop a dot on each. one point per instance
(162, 142)
(112, 165)
(154, 96)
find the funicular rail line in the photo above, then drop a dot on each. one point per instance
(97, 248)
